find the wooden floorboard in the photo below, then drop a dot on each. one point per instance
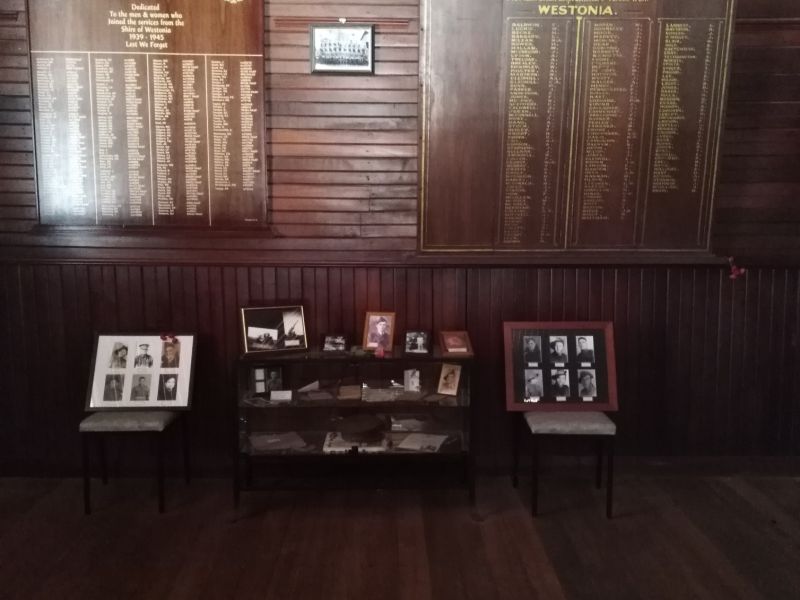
(677, 534)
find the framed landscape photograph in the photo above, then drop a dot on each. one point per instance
(560, 366)
(273, 329)
(379, 331)
(341, 48)
(148, 371)
(334, 342)
(455, 342)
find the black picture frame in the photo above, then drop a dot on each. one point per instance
(342, 49)
(273, 329)
(417, 342)
(333, 342)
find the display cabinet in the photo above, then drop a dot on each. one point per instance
(353, 407)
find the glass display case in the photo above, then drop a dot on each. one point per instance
(354, 406)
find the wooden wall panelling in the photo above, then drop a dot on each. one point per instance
(18, 211)
(706, 364)
(758, 182)
(343, 149)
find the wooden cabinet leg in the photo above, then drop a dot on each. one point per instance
(598, 479)
(87, 503)
(535, 475)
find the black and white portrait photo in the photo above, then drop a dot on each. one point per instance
(417, 342)
(558, 350)
(586, 383)
(119, 356)
(532, 349)
(140, 392)
(448, 379)
(379, 331)
(167, 388)
(341, 49)
(534, 388)
(334, 343)
(143, 360)
(559, 382)
(584, 349)
(112, 392)
(171, 355)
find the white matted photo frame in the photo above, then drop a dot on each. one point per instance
(347, 49)
(141, 371)
(273, 329)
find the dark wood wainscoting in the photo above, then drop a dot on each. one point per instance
(706, 364)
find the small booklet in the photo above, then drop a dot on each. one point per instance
(422, 442)
(271, 442)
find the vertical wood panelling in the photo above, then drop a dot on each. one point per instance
(706, 364)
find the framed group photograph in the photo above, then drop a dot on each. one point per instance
(560, 366)
(455, 342)
(417, 342)
(379, 331)
(273, 328)
(141, 371)
(342, 48)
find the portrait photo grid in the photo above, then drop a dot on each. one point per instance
(141, 372)
(555, 366)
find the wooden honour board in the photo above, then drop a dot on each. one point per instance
(149, 113)
(554, 126)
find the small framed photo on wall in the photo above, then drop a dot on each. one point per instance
(149, 371)
(342, 48)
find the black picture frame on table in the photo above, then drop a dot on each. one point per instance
(135, 377)
(342, 49)
(417, 342)
(273, 329)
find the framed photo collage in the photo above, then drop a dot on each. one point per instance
(141, 371)
(560, 366)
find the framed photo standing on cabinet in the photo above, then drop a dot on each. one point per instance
(147, 371)
(273, 328)
(560, 366)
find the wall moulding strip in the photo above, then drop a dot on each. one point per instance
(302, 23)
